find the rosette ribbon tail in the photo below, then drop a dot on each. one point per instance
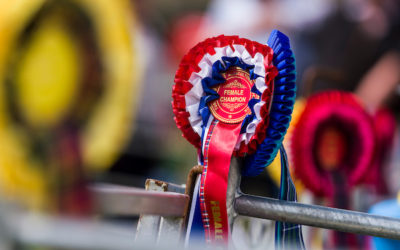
(217, 151)
(287, 235)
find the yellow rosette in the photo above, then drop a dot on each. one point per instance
(62, 62)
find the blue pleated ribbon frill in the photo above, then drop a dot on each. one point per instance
(281, 107)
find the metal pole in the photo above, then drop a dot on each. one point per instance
(232, 190)
(318, 216)
(120, 200)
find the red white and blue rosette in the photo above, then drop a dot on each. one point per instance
(233, 97)
(200, 70)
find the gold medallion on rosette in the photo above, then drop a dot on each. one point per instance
(234, 96)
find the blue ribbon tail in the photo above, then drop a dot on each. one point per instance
(287, 235)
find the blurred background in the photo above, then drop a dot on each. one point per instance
(85, 88)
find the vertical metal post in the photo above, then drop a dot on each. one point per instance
(170, 231)
(148, 225)
(233, 189)
(160, 230)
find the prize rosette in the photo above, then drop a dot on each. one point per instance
(334, 134)
(233, 97)
(333, 147)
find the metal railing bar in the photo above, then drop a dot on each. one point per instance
(129, 201)
(318, 216)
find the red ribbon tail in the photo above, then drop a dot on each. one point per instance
(218, 149)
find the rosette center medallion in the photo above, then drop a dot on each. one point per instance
(234, 95)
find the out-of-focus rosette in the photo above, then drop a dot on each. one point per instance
(334, 133)
(332, 148)
(66, 94)
(185, 32)
(233, 97)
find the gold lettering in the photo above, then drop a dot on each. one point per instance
(232, 99)
(219, 237)
(217, 219)
(233, 92)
